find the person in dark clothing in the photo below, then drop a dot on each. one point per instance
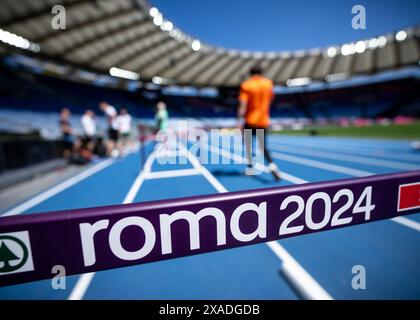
(100, 148)
(67, 133)
(82, 154)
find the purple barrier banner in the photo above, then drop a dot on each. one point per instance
(95, 239)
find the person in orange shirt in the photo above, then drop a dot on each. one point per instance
(256, 95)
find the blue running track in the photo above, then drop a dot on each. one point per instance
(389, 250)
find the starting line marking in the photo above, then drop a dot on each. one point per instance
(172, 174)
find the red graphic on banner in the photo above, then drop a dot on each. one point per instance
(409, 197)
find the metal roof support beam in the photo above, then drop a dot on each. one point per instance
(193, 72)
(181, 67)
(159, 61)
(84, 25)
(110, 51)
(143, 51)
(44, 11)
(96, 39)
(145, 59)
(214, 70)
(238, 70)
(162, 67)
(227, 72)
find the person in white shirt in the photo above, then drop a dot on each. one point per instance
(111, 115)
(124, 123)
(124, 127)
(89, 125)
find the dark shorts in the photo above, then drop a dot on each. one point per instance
(254, 132)
(254, 129)
(89, 139)
(113, 134)
(68, 142)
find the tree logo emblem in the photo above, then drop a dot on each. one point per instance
(13, 253)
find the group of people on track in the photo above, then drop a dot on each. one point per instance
(255, 97)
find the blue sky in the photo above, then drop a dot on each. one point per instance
(272, 25)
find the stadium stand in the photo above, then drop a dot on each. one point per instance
(31, 102)
(40, 79)
(163, 54)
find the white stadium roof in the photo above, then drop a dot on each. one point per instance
(133, 40)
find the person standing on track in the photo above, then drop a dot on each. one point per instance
(162, 116)
(67, 133)
(124, 120)
(89, 125)
(255, 97)
(111, 115)
(89, 129)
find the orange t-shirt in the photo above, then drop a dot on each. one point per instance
(258, 93)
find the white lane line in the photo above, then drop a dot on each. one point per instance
(84, 280)
(197, 165)
(321, 165)
(345, 157)
(308, 287)
(408, 223)
(301, 279)
(131, 195)
(58, 188)
(172, 174)
(379, 145)
(81, 286)
(171, 154)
